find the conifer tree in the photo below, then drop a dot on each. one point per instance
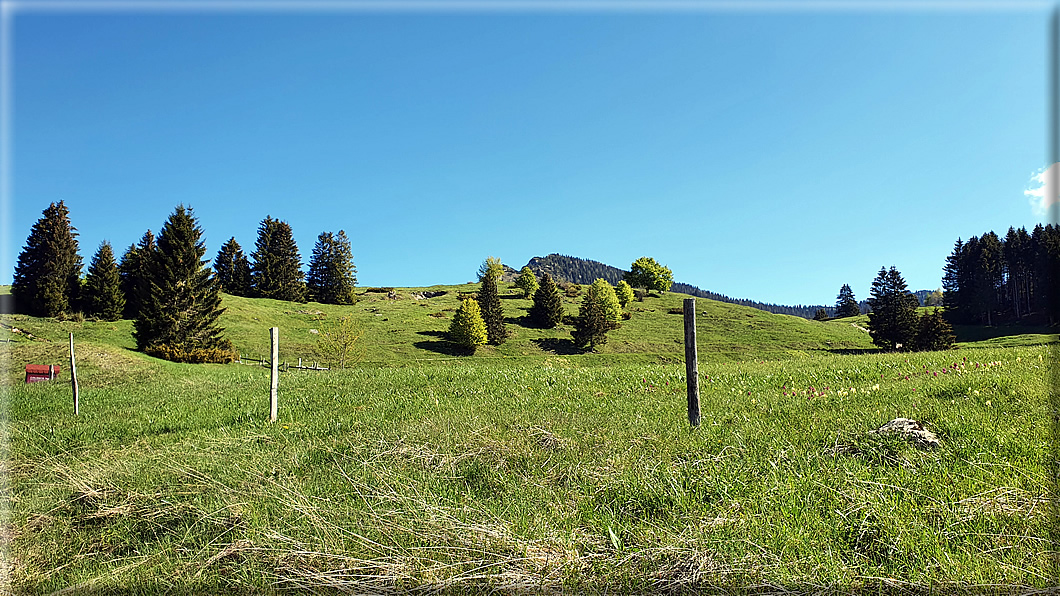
(934, 332)
(547, 311)
(893, 319)
(820, 315)
(600, 312)
(332, 275)
(178, 319)
(103, 297)
(468, 330)
(624, 292)
(232, 269)
(527, 282)
(845, 304)
(47, 278)
(135, 272)
(489, 302)
(277, 266)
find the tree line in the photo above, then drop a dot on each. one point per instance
(163, 284)
(989, 279)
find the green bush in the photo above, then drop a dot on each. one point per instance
(222, 354)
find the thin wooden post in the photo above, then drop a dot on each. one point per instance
(73, 377)
(691, 362)
(299, 363)
(274, 378)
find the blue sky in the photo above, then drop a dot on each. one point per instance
(770, 155)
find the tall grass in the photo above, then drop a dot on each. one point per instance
(488, 473)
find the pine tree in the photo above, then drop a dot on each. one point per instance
(468, 330)
(103, 297)
(934, 332)
(845, 304)
(332, 275)
(547, 311)
(893, 319)
(135, 272)
(47, 278)
(277, 267)
(624, 292)
(820, 315)
(527, 282)
(489, 302)
(232, 269)
(178, 319)
(600, 312)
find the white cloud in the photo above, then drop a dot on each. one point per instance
(1043, 192)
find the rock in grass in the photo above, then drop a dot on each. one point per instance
(911, 430)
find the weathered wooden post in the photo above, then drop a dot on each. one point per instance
(274, 378)
(691, 361)
(73, 377)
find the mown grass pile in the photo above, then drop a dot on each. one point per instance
(546, 471)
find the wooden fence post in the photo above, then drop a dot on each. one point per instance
(274, 377)
(73, 377)
(691, 362)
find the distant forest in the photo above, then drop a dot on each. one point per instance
(585, 271)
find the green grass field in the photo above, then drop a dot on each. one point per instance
(529, 466)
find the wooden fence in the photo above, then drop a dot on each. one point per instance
(284, 366)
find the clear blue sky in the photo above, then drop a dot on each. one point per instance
(770, 155)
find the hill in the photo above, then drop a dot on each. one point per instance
(585, 271)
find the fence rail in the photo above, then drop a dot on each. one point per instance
(284, 366)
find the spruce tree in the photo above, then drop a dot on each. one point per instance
(489, 301)
(468, 330)
(547, 311)
(232, 269)
(893, 319)
(277, 266)
(178, 319)
(820, 315)
(600, 312)
(934, 332)
(103, 297)
(135, 272)
(332, 275)
(624, 292)
(527, 282)
(845, 304)
(47, 278)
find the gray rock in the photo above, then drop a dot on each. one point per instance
(911, 430)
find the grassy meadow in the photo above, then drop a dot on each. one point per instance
(528, 466)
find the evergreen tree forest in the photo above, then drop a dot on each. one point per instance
(991, 279)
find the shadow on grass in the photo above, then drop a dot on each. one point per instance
(441, 334)
(442, 346)
(558, 346)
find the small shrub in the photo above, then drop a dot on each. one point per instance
(222, 354)
(573, 290)
(626, 316)
(677, 310)
(379, 290)
(640, 294)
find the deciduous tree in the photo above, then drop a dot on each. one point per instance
(47, 278)
(492, 266)
(646, 273)
(103, 297)
(338, 341)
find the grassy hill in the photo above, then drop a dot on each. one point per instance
(525, 467)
